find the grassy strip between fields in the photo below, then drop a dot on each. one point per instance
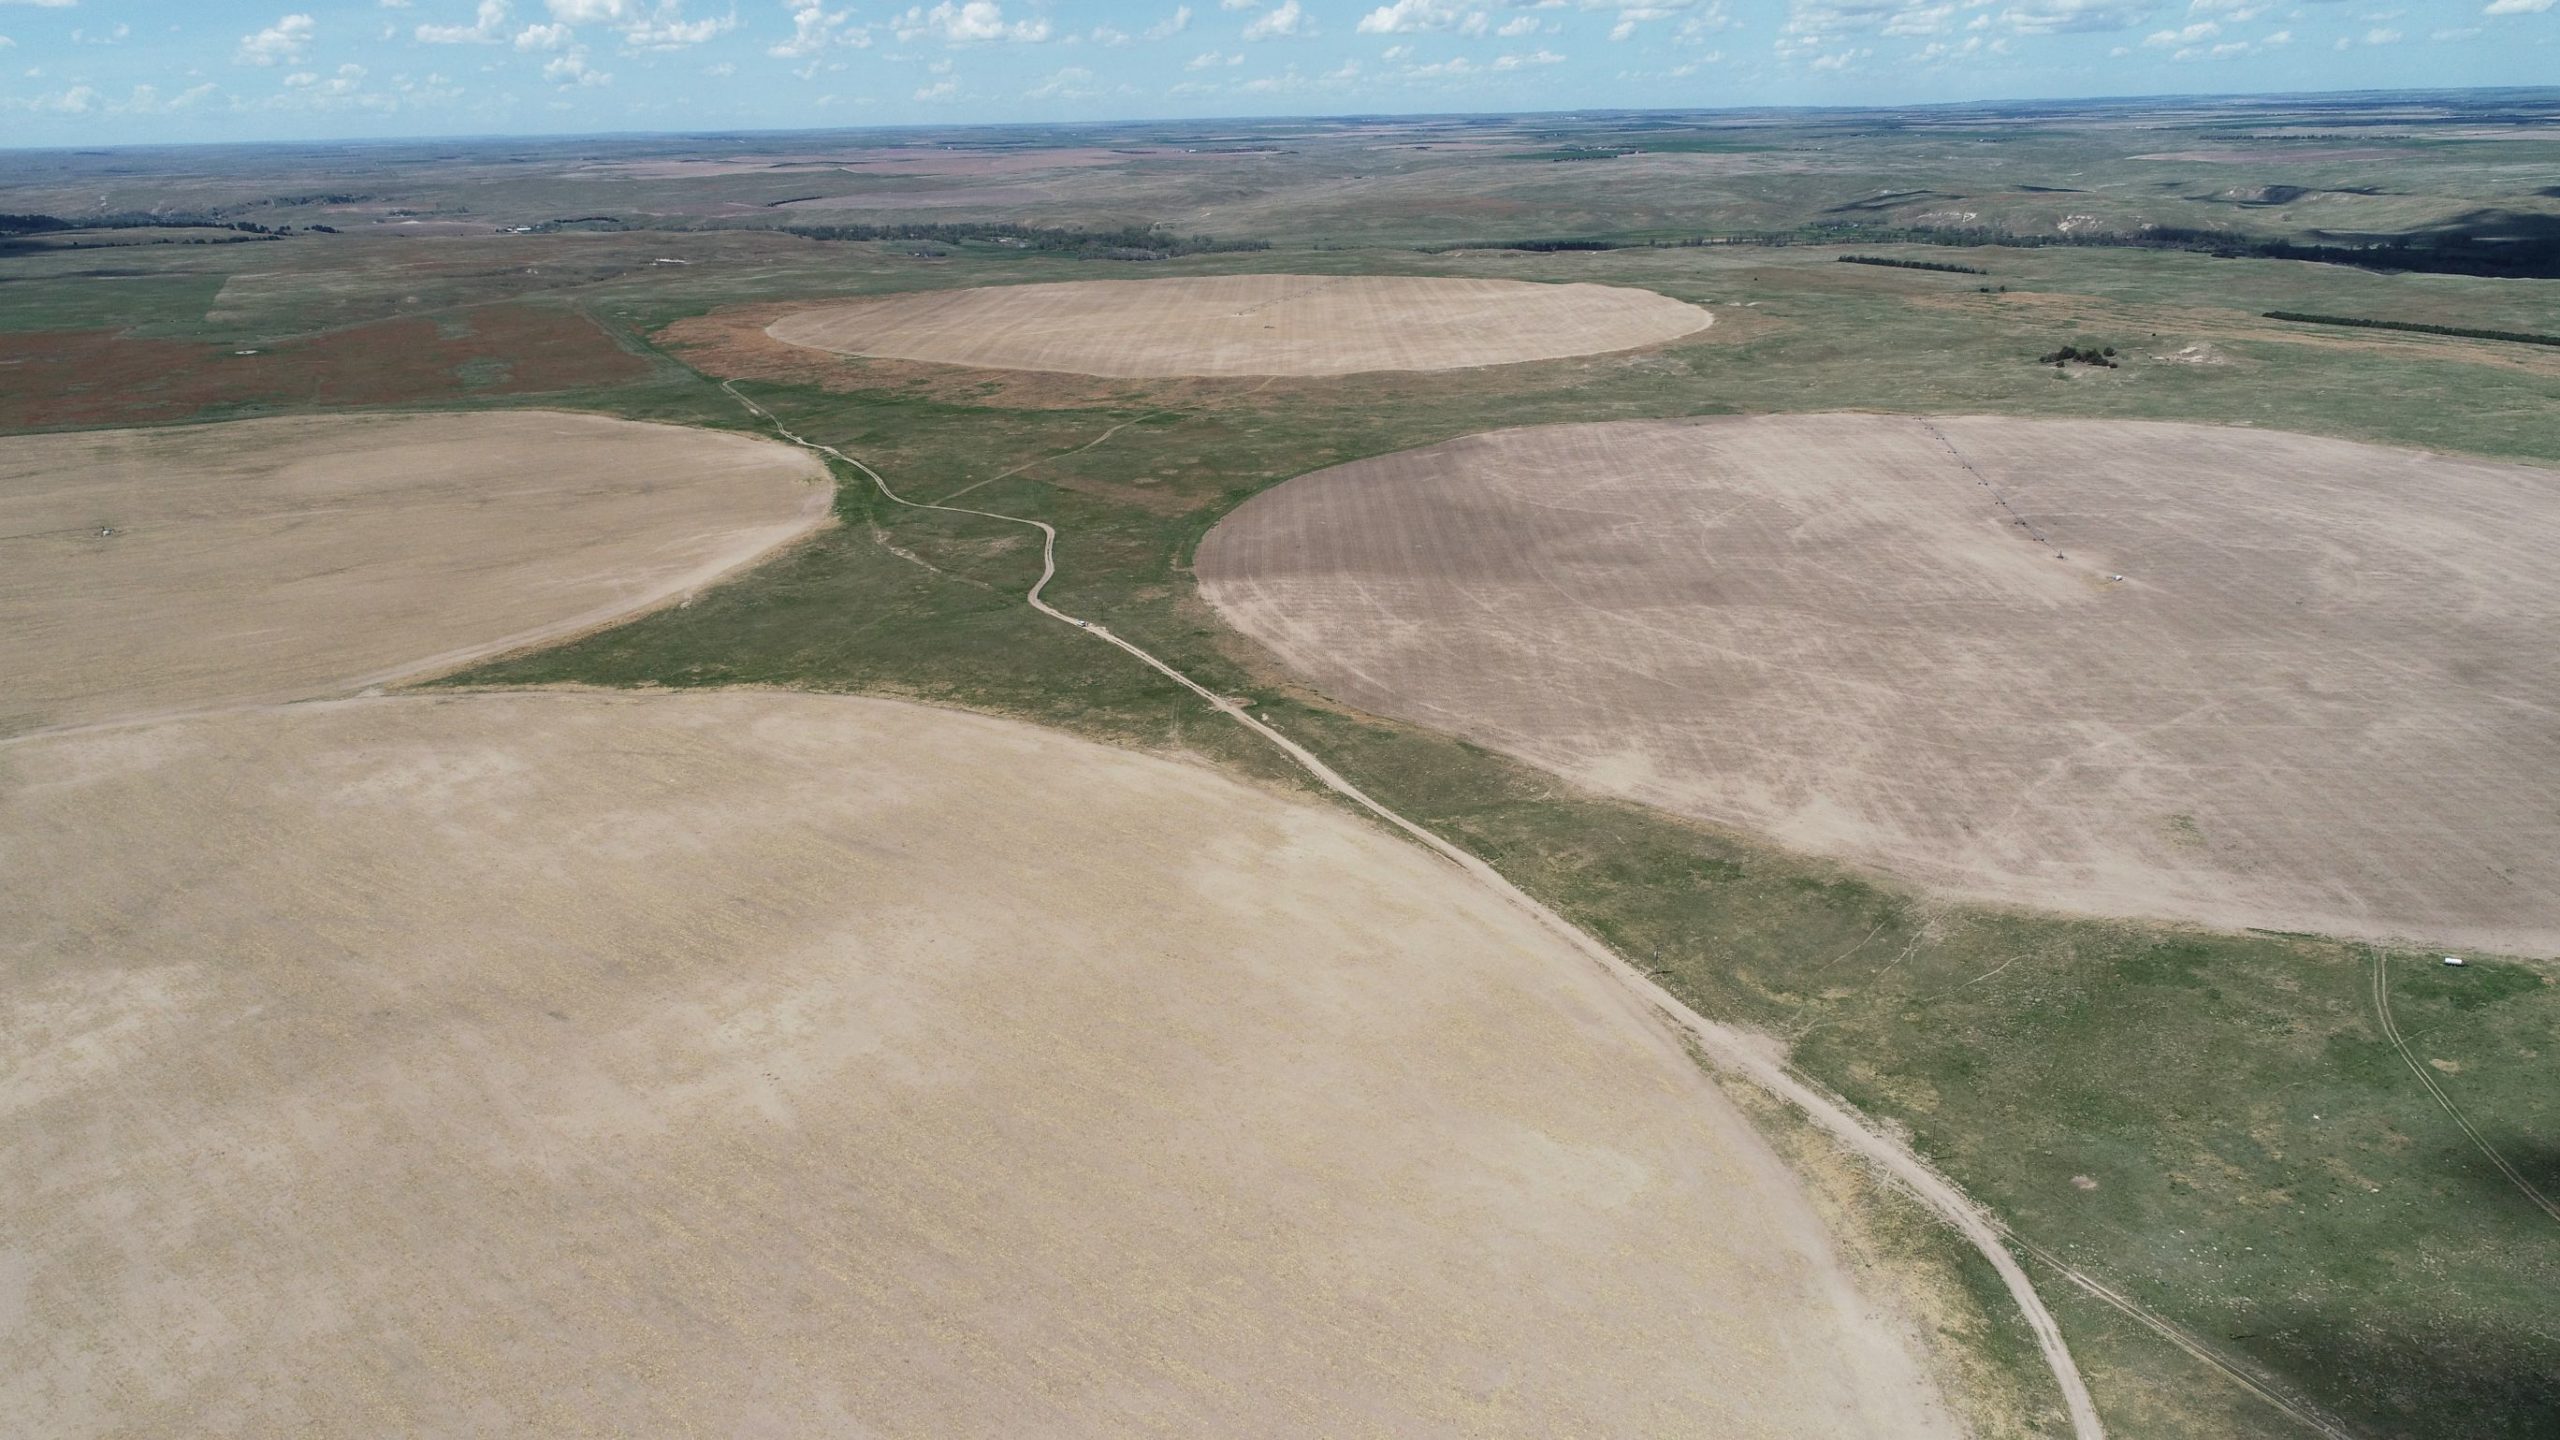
(2216, 1126)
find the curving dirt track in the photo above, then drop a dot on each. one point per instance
(2320, 699)
(1247, 325)
(156, 570)
(785, 1064)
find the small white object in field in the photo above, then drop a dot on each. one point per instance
(2453, 960)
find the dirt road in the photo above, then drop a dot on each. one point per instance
(1753, 1057)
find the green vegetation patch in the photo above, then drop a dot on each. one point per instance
(2518, 337)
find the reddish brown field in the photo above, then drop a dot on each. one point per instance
(2319, 697)
(63, 378)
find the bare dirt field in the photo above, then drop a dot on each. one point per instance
(749, 1063)
(1248, 324)
(2319, 698)
(151, 570)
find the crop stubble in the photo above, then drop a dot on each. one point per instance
(1247, 324)
(153, 570)
(2319, 699)
(763, 1063)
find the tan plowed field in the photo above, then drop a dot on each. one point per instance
(1247, 324)
(2322, 697)
(763, 1064)
(154, 570)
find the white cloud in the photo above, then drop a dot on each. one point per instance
(2379, 36)
(1518, 26)
(483, 30)
(284, 40)
(939, 90)
(968, 23)
(1632, 13)
(1239, 4)
(345, 82)
(666, 29)
(2459, 32)
(1072, 83)
(78, 100)
(1171, 25)
(1522, 62)
(571, 71)
(146, 99)
(2234, 49)
(2165, 39)
(2516, 7)
(814, 28)
(1413, 17)
(1696, 28)
(395, 4)
(1211, 59)
(2057, 17)
(49, 5)
(1288, 22)
(543, 37)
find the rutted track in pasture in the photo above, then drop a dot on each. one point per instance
(1734, 1050)
(2391, 1032)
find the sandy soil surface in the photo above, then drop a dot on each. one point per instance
(1248, 324)
(2319, 699)
(764, 1064)
(152, 570)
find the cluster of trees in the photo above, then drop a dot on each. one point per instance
(2535, 256)
(2080, 355)
(2532, 257)
(1911, 264)
(2520, 337)
(31, 224)
(1130, 242)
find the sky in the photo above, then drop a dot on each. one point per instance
(99, 72)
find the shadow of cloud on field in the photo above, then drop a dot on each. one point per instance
(2535, 1157)
(2385, 1372)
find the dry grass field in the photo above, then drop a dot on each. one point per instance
(1248, 324)
(2318, 697)
(151, 570)
(751, 1063)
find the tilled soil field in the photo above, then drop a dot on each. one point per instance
(1248, 324)
(763, 1064)
(151, 570)
(2222, 675)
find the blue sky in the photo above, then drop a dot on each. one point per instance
(87, 72)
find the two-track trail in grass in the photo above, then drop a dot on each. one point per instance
(1736, 1051)
(2391, 1032)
